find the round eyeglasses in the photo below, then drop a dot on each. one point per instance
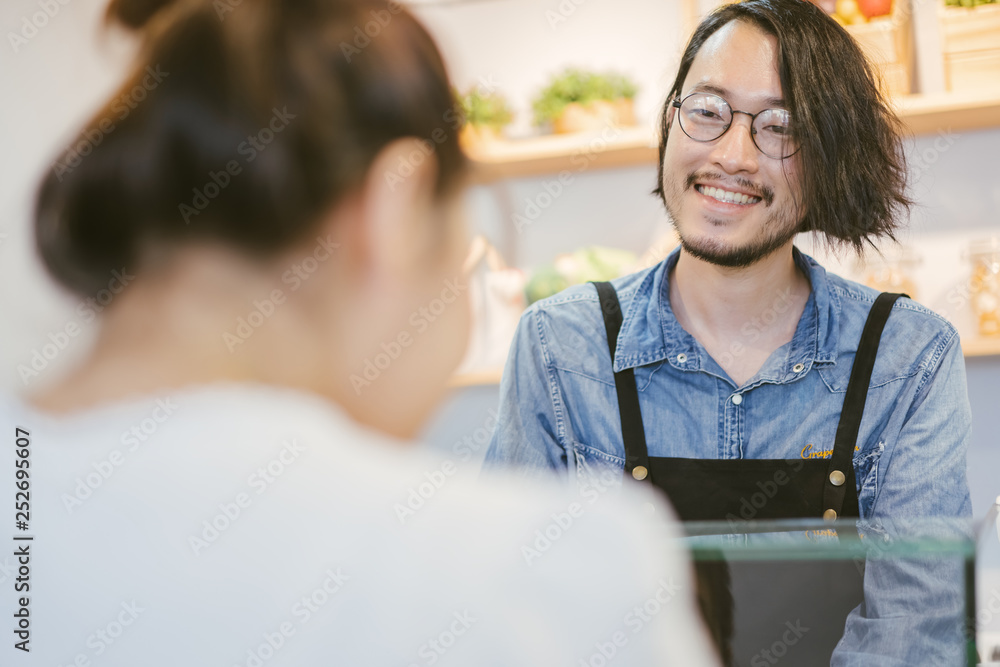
(706, 117)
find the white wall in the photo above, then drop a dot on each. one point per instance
(50, 85)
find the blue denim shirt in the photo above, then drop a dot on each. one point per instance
(559, 411)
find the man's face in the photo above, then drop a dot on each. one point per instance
(738, 63)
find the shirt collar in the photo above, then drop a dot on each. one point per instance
(651, 333)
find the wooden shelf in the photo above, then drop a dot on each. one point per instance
(551, 154)
(972, 347)
(981, 347)
(624, 147)
(927, 114)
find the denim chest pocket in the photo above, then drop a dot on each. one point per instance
(595, 467)
(836, 379)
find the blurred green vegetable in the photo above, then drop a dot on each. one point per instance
(490, 110)
(579, 86)
(580, 266)
(969, 3)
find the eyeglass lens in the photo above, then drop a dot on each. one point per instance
(706, 117)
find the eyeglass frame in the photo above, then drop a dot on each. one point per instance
(677, 102)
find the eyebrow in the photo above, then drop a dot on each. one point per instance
(723, 93)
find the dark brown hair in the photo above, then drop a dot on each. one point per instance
(179, 152)
(854, 168)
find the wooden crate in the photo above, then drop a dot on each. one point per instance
(970, 44)
(887, 41)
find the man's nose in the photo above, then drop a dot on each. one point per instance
(735, 150)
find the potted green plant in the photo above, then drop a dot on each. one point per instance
(577, 100)
(486, 114)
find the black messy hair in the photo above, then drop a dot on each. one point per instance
(265, 66)
(853, 164)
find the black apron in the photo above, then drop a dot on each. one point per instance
(727, 489)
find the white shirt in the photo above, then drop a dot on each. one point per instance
(251, 526)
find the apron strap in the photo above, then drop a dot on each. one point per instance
(840, 473)
(633, 433)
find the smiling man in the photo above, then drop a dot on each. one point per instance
(737, 375)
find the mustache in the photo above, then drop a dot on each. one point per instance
(765, 193)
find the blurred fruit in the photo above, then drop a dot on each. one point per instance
(873, 8)
(849, 12)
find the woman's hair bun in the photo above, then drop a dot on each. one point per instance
(261, 125)
(134, 14)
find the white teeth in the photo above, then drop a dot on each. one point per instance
(727, 196)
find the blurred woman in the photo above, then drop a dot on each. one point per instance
(275, 236)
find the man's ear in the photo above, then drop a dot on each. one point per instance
(395, 208)
(671, 113)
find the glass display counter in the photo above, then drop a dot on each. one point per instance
(813, 592)
(987, 616)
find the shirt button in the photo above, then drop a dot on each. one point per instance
(797, 368)
(681, 358)
(737, 399)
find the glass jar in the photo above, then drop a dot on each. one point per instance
(984, 284)
(891, 271)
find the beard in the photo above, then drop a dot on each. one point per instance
(780, 226)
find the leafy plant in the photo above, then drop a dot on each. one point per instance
(490, 110)
(969, 3)
(582, 87)
(579, 266)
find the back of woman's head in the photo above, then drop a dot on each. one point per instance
(242, 123)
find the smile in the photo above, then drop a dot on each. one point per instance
(727, 196)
